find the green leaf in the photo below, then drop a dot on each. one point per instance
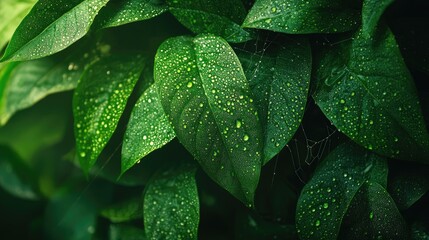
(371, 13)
(11, 14)
(51, 26)
(325, 199)
(366, 90)
(171, 205)
(279, 77)
(373, 215)
(207, 98)
(148, 129)
(419, 231)
(25, 83)
(408, 185)
(124, 211)
(98, 103)
(125, 232)
(302, 16)
(222, 17)
(121, 12)
(15, 177)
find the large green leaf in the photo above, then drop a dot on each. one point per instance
(121, 12)
(98, 103)
(366, 90)
(51, 26)
(373, 215)
(279, 77)
(148, 129)
(207, 98)
(171, 207)
(371, 13)
(303, 16)
(11, 14)
(326, 198)
(222, 18)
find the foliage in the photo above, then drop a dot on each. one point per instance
(203, 119)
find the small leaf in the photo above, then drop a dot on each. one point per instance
(148, 129)
(302, 16)
(366, 90)
(11, 14)
(326, 198)
(373, 215)
(171, 205)
(51, 26)
(279, 78)
(207, 98)
(121, 12)
(98, 103)
(124, 211)
(222, 17)
(371, 13)
(15, 175)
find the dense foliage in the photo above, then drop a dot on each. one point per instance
(179, 119)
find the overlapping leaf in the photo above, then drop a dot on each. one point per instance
(99, 100)
(366, 90)
(279, 77)
(51, 26)
(371, 13)
(207, 98)
(222, 18)
(302, 16)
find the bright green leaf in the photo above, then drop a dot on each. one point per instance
(366, 90)
(51, 26)
(371, 13)
(373, 215)
(98, 103)
(15, 176)
(11, 14)
(325, 199)
(207, 98)
(121, 12)
(279, 77)
(222, 18)
(303, 16)
(124, 211)
(171, 205)
(148, 129)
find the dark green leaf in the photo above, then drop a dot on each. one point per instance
(125, 232)
(371, 13)
(373, 215)
(279, 77)
(171, 205)
(148, 129)
(419, 231)
(325, 199)
(302, 16)
(15, 175)
(222, 17)
(366, 90)
(121, 12)
(124, 211)
(409, 185)
(207, 98)
(98, 103)
(51, 26)
(11, 14)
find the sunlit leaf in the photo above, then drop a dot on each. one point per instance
(207, 98)
(99, 100)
